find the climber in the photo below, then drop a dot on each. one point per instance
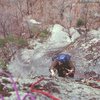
(62, 65)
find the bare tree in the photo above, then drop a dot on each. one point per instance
(4, 24)
(29, 6)
(19, 5)
(61, 8)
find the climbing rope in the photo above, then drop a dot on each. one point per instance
(42, 92)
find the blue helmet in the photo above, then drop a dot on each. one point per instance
(62, 58)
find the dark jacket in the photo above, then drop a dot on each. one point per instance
(63, 68)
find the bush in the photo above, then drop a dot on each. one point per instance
(21, 42)
(2, 42)
(18, 41)
(80, 22)
(2, 64)
(10, 38)
(34, 30)
(44, 33)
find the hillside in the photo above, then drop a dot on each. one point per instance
(27, 69)
(32, 32)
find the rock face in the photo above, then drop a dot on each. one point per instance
(86, 53)
(59, 37)
(37, 59)
(86, 84)
(60, 88)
